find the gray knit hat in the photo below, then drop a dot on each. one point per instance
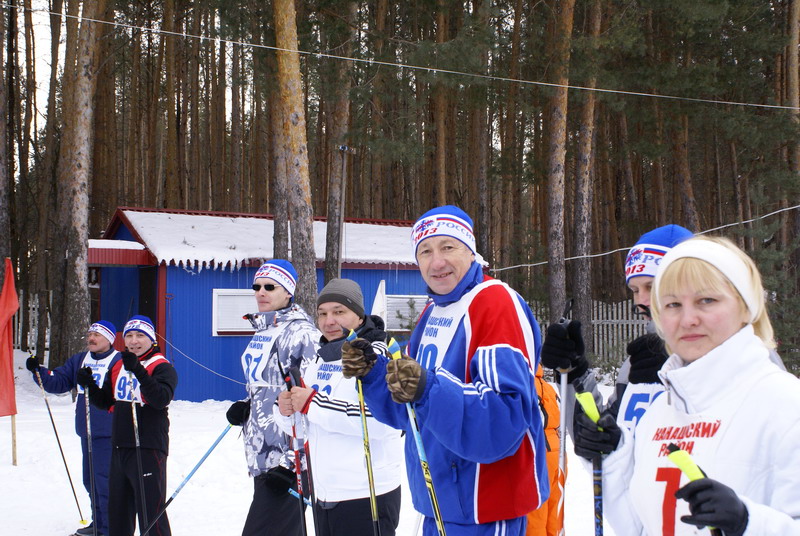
(344, 291)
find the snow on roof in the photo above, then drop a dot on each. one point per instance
(216, 241)
(102, 243)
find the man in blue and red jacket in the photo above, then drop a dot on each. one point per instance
(144, 381)
(470, 377)
(99, 358)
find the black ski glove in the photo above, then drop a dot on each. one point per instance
(590, 441)
(713, 504)
(280, 479)
(406, 379)
(238, 413)
(563, 349)
(32, 364)
(130, 361)
(358, 357)
(648, 354)
(85, 379)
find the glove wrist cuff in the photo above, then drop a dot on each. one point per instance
(423, 382)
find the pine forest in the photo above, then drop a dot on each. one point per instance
(566, 128)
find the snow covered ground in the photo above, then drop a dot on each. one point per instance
(36, 500)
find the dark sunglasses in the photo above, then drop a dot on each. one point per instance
(269, 287)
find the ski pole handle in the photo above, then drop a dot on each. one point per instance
(586, 400)
(687, 465)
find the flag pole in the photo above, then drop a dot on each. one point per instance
(14, 440)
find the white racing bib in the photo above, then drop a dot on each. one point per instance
(256, 356)
(126, 388)
(99, 368)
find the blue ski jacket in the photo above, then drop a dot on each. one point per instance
(478, 414)
(63, 379)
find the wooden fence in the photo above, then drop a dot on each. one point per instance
(614, 325)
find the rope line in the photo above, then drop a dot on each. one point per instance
(198, 363)
(435, 70)
(594, 255)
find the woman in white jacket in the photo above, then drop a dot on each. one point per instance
(329, 402)
(726, 404)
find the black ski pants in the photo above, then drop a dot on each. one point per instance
(274, 513)
(124, 496)
(354, 518)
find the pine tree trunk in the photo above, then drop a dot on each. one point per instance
(172, 182)
(791, 224)
(195, 170)
(556, 161)
(339, 152)
(584, 192)
(279, 200)
(683, 176)
(104, 168)
(46, 199)
(73, 173)
(631, 200)
(478, 148)
(235, 195)
(294, 130)
(6, 181)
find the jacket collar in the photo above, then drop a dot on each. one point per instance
(473, 277)
(262, 321)
(702, 383)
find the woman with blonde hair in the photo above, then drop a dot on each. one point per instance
(725, 403)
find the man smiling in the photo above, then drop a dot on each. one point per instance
(470, 377)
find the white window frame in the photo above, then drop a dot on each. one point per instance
(228, 306)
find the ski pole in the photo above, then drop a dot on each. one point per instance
(91, 462)
(143, 501)
(587, 402)
(394, 350)
(303, 420)
(61, 450)
(686, 464)
(185, 480)
(297, 461)
(362, 409)
(296, 495)
(562, 452)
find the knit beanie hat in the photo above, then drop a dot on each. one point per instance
(281, 271)
(447, 220)
(106, 329)
(143, 324)
(645, 257)
(344, 291)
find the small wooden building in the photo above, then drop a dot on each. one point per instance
(191, 272)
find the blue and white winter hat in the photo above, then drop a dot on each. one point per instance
(104, 328)
(447, 220)
(280, 271)
(645, 257)
(143, 324)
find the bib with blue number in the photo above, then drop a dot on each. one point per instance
(99, 368)
(127, 388)
(256, 356)
(441, 327)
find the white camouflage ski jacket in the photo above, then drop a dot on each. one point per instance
(287, 335)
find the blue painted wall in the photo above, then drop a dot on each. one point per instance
(119, 294)
(201, 358)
